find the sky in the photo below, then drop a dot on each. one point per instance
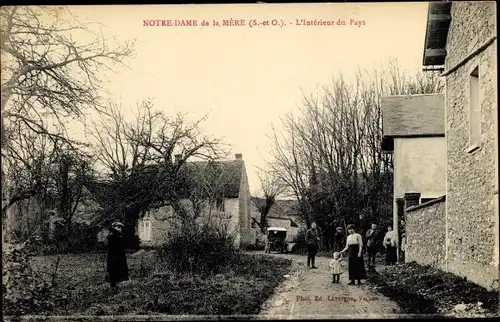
(245, 78)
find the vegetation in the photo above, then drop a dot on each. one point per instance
(203, 249)
(422, 289)
(239, 288)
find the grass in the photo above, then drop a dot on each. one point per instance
(425, 290)
(241, 289)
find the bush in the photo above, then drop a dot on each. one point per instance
(201, 249)
(24, 292)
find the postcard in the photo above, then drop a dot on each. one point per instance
(250, 161)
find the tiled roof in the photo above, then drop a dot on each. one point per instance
(281, 209)
(225, 174)
(413, 115)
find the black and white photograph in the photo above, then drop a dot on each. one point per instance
(250, 161)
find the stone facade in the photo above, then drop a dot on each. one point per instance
(236, 215)
(162, 223)
(472, 171)
(426, 234)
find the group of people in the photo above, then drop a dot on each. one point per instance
(354, 245)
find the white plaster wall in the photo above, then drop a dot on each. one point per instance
(420, 166)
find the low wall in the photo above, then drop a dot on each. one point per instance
(426, 233)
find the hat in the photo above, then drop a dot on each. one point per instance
(339, 228)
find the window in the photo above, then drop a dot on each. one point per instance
(253, 224)
(146, 230)
(474, 110)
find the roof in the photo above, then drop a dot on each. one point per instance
(225, 176)
(436, 34)
(413, 115)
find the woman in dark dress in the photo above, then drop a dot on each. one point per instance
(354, 245)
(117, 267)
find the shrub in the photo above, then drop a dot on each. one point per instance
(79, 238)
(204, 249)
(24, 291)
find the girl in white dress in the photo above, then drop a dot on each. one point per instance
(336, 267)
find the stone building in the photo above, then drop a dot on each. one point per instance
(231, 208)
(413, 131)
(461, 42)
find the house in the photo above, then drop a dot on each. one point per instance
(459, 233)
(283, 213)
(231, 206)
(42, 217)
(413, 131)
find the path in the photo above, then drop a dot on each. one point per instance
(309, 293)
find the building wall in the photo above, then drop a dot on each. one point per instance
(472, 196)
(244, 211)
(426, 234)
(419, 166)
(163, 222)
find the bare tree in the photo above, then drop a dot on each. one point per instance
(138, 158)
(115, 142)
(290, 163)
(49, 172)
(73, 171)
(205, 185)
(48, 78)
(31, 160)
(271, 187)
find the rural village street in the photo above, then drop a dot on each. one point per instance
(326, 300)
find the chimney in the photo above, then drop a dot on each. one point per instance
(178, 158)
(411, 199)
(238, 156)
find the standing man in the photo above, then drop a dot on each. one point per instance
(372, 244)
(312, 240)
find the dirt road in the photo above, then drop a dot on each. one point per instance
(309, 293)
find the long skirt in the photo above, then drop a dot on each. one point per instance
(356, 264)
(391, 255)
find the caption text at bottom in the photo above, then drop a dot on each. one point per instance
(332, 298)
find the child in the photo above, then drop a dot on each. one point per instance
(336, 266)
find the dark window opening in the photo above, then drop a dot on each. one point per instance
(424, 200)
